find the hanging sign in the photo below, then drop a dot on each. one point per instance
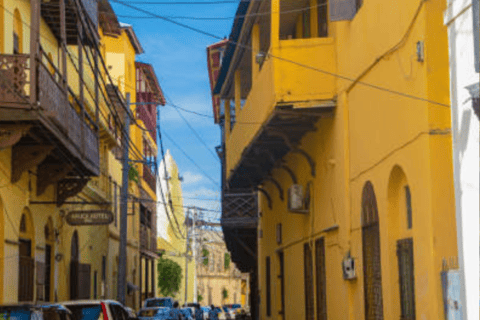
(89, 217)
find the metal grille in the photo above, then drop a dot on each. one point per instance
(321, 279)
(268, 289)
(372, 269)
(308, 276)
(406, 278)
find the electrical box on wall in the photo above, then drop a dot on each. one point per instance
(348, 266)
(295, 197)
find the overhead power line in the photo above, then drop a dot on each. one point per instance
(211, 35)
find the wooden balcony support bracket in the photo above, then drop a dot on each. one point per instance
(293, 148)
(10, 134)
(289, 171)
(25, 157)
(69, 187)
(267, 152)
(244, 245)
(50, 172)
(267, 195)
(276, 184)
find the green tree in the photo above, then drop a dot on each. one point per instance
(205, 254)
(226, 261)
(224, 293)
(169, 277)
(199, 298)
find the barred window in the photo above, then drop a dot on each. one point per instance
(308, 273)
(406, 281)
(268, 292)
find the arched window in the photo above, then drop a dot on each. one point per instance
(74, 267)
(26, 262)
(372, 271)
(17, 32)
(49, 260)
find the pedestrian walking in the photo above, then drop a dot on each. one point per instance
(175, 313)
(213, 313)
(198, 312)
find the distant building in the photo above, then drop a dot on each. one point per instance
(171, 228)
(219, 281)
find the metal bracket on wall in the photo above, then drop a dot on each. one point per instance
(267, 195)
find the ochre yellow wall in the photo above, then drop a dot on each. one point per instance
(374, 135)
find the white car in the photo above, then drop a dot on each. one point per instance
(97, 310)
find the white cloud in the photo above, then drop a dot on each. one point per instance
(191, 178)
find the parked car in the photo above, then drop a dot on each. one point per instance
(187, 313)
(131, 313)
(158, 302)
(34, 312)
(156, 313)
(236, 311)
(205, 312)
(97, 310)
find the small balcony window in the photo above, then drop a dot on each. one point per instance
(302, 20)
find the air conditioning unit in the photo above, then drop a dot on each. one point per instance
(295, 197)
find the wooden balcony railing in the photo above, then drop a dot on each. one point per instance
(148, 240)
(149, 178)
(54, 106)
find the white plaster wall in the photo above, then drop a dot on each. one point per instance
(465, 128)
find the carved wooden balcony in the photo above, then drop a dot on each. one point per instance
(47, 130)
(149, 178)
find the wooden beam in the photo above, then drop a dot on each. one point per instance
(25, 157)
(49, 173)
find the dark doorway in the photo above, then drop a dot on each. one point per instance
(48, 270)
(372, 269)
(74, 267)
(281, 278)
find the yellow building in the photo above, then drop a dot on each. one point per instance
(342, 128)
(60, 149)
(51, 135)
(219, 282)
(171, 225)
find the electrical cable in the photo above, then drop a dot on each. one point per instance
(211, 35)
(164, 160)
(259, 14)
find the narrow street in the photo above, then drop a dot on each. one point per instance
(239, 159)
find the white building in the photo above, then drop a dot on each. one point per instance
(461, 19)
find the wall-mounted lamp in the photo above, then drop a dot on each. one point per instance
(260, 58)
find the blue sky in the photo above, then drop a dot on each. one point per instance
(179, 58)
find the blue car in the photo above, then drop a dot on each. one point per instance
(187, 313)
(156, 313)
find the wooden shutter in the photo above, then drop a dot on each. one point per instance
(321, 279)
(281, 277)
(84, 281)
(407, 280)
(268, 282)
(308, 276)
(342, 10)
(25, 278)
(40, 271)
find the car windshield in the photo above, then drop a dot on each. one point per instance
(15, 314)
(158, 303)
(87, 312)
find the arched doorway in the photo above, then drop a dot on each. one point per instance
(49, 260)
(372, 268)
(74, 266)
(26, 264)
